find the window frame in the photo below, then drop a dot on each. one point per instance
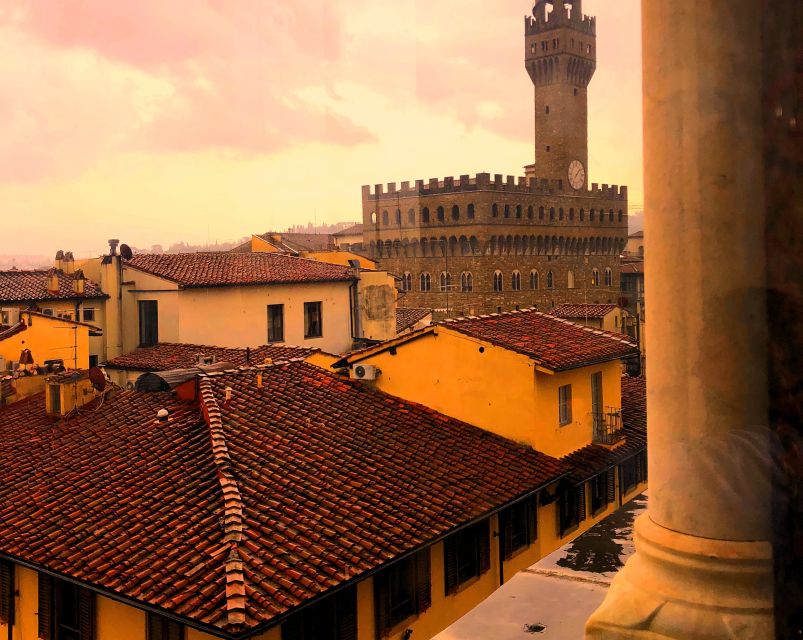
(466, 555)
(142, 311)
(93, 314)
(416, 572)
(163, 628)
(308, 307)
(564, 404)
(281, 321)
(524, 514)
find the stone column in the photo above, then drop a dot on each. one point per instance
(703, 561)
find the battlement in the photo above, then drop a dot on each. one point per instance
(485, 182)
(543, 21)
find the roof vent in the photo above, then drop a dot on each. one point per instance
(201, 358)
(162, 415)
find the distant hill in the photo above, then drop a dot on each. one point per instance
(25, 261)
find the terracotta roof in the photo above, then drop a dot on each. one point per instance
(7, 331)
(283, 493)
(637, 234)
(570, 311)
(31, 286)
(407, 317)
(170, 355)
(300, 241)
(636, 266)
(350, 231)
(593, 458)
(554, 343)
(223, 269)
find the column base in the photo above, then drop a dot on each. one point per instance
(681, 586)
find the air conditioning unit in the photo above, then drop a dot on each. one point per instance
(364, 372)
(203, 359)
(9, 316)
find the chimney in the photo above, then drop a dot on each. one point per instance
(66, 392)
(68, 263)
(113, 247)
(79, 283)
(59, 263)
(53, 280)
(162, 415)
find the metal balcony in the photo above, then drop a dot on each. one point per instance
(607, 426)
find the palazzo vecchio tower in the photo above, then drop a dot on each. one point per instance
(484, 243)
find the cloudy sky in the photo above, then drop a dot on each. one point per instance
(157, 121)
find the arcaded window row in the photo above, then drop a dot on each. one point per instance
(466, 283)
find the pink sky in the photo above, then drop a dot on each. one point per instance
(155, 122)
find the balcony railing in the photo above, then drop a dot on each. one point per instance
(607, 426)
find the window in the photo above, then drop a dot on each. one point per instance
(89, 314)
(446, 281)
(570, 280)
(466, 282)
(426, 282)
(385, 218)
(455, 212)
(497, 281)
(515, 281)
(595, 277)
(540, 213)
(373, 217)
(582, 215)
(565, 404)
(530, 212)
(402, 590)
(610, 215)
(550, 280)
(148, 322)
(518, 211)
(161, 628)
(551, 213)
(596, 392)
(333, 618)
(425, 215)
(560, 213)
(591, 216)
(495, 210)
(275, 323)
(507, 211)
(411, 216)
(313, 320)
(93, 361)
(619, 216)
(534, 279)
(518, 526)
(608, 277)
(467, 555)
(65, 315)
(571, 214)
(632, 472)
(407, 281)
(470, 212)
(6, 593)
(571, 508)
(602, 491)
(66, 611)
(441, 215)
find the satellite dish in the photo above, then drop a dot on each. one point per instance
(126, 252)
(97, 378)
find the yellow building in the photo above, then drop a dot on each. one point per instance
(608, 317)
(321, 247)
(295, 504)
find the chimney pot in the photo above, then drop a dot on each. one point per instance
(259, 380)
(162, 415)
(113, 247)
(229, 391)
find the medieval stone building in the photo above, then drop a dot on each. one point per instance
(483, 243)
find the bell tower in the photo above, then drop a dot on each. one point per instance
(561, 57)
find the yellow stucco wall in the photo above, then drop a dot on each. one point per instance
(377, 296)
(495, 389)
(49, 339)
(118, 621)
(341, 257)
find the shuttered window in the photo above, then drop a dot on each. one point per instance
(161, 628)
(66, 611)
(6, 593)
(565, 404)
(571, 508)
(401, 591)
(518, 525)
(333, 618)
(148, 322)
(632, 472)
(467, 554)
(602, 491)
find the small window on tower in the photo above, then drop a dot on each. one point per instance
(547, 147)
(575, 91)
(532, 48)
(547, 108)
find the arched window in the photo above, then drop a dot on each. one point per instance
(515, 281)
(610, 216)
(560, 213)
(620, 215)
(446, 281)
(495, 210)
(398, 216)
(571, 214)
(498, 281)
(551, 213)
(570, 280)
(518, 211)
(641, 251)
(530, 212)
(507, 211)
(540, 213)
(550, 280)
(470, 212)
(407, 281)
(595, 278)
(373, 217)
(466, 282)
(455, 212)
(608, 277)
(426, 282)
(582, 215)
(441, 214)
(534, 284)
(411, 216)
(425, 215)
(385, 218)
(591, 216)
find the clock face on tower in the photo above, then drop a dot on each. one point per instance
(577, 174)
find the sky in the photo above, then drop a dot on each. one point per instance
(206, 120)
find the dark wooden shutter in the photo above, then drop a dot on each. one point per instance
(45, 614)
(381, 604)
(612, 484)
(484, 540)
(581, 502)
(450, 563)
(347, 614)
(532, 520)
(6, 593)
(86, 614)
(423, 581)
(506, 532)
(154, 627)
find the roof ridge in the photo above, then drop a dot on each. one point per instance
(233, 517)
